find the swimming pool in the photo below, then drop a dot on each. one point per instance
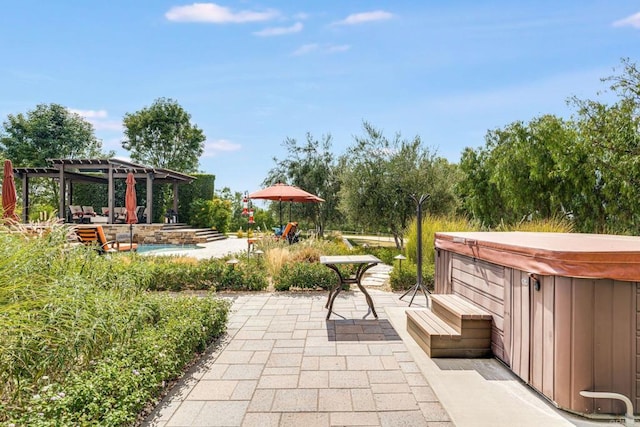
(152, 249)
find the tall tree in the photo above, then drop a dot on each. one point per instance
(312, 167)
(162, 136)
(48, 132)
(380, 174)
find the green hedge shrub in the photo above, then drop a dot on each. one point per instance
(304, 275)
(405, 278)
(117, 386)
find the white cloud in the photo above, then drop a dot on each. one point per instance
(279, 31)
(211, 12)
(629, 21)
(214, 147)
(314, 47)
(99, 119)
(301, 16)
(337, 48)
(305, 49)
(359, 18)
(90, 114)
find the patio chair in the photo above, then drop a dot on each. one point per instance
(77, 214)
(95, 236)
(88, 211)
(140, 213)
(290, 233)
(119, 214)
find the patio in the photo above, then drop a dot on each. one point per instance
(282, 364)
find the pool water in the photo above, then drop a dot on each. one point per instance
(156, 248)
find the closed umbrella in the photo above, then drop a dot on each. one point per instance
(9, 196)
(283, 192)
(130, 205)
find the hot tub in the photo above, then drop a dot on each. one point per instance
(565, 307)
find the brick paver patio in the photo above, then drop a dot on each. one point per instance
(283, 364)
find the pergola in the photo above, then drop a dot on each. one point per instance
(98, 171)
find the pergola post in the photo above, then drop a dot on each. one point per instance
(25, 199)
(149, 198)
(175, 198)
(111, 194)
(61, 207)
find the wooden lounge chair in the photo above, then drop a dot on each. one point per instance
(95, 236)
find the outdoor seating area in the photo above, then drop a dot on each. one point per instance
(103, 173)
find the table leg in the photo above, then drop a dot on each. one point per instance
(333, 292)
(359, 273)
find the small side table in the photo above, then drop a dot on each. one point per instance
(364, 262)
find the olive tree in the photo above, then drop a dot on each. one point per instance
(380, 175)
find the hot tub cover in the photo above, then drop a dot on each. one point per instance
(596, 256)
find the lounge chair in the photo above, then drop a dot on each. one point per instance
(95, 236)
(88, 211)
(77, 214)
(119, 214)
(290, 233)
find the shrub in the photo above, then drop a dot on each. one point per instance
(211, 213)
(82, 342)
(304, 275)
(405, 278)
(243, 276)
(115, 388)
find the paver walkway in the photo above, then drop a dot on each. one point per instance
(283, 364)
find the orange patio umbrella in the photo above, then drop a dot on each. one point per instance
(9, 196)
(130, 204)
(287, 193)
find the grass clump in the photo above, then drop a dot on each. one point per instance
(83, 342)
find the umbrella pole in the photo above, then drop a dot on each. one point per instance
(130, 237)
(280, 203)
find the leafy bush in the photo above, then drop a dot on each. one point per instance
(244, 276)
(407, 277)
(211, 213)
(304, 275)
(82, 342)
(115, 388)
(180, 274)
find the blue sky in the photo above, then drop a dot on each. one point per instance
(252, 73)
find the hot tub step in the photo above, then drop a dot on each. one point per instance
(460, 313)
(438, 339)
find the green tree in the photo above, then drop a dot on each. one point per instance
(48, 132)
(311, 166)
(380, 174)
(586, 169)
(162, 136)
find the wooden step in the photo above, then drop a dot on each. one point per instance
(460, 313)
(439, 339)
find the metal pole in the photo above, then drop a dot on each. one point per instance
(419, 201)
